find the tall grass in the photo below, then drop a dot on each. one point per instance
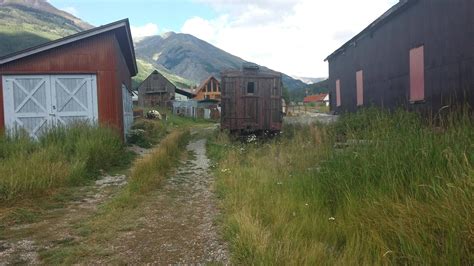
(63, 156)
(399, 192)
(149, 171)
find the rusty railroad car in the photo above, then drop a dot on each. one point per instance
(418, 55)
(86, 76)
(251, 100)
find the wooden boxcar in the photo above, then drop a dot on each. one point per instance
(251, 100)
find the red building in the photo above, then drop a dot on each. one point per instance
(86, 76)
(322, 98)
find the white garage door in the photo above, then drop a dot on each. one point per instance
(38, 102)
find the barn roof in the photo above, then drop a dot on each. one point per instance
(155, 72)
(122, 32)
(398, 8)
(185, 92)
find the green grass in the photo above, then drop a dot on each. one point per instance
(400, 192)
(62, 157)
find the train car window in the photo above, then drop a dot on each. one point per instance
(250, 87)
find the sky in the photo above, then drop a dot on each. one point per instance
(291, 36)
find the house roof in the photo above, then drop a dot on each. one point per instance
(121, 29)
(203, 85)
(315, 98)
(387, 16)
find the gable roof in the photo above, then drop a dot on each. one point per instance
(122, 32)
(203, 85)
(315, 98)
(398, 8)
(155, 72)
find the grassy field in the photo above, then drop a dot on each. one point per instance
(375, 188)
(62, 157)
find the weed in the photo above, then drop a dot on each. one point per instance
(400, 191)
(61, 157)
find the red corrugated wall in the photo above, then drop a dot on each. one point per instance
(98, 55)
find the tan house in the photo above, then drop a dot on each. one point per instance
(155, 91)
(209, 89)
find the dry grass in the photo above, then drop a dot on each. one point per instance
(402, 195)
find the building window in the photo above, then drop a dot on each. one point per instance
(250, 87)
(208, 89)
(417, 74)
(360, 87)
(338, 92)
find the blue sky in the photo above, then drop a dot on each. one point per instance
(168, 14)
(291, 36)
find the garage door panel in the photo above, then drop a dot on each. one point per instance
(73, 97)
(36, 103)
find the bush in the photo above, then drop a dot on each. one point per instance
(146, 133)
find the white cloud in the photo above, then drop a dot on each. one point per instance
(71, 10)
(289, 36)
(149, 29)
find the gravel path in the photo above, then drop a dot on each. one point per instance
(179, 222)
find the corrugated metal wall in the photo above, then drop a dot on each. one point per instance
(444, 28)
(98, 55)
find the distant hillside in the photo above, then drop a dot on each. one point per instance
(309, 81)
(316, 88)
(184, 59)
(145, 69)
(27, 23)
(192, 58)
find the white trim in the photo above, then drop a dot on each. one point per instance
(64, 42)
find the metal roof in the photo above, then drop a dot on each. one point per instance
(123, 26)
(391, 13)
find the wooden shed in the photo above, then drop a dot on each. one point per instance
(251, 100)
(86, 76)
(419, 55)
(209, 89)
(156, 90)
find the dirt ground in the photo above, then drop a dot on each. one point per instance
(21, 244)
(177, 223)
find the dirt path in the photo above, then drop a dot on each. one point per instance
(178, 226)
(175, 223)
(21, 244)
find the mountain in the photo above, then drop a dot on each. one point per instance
(192, 58)
(184, 59)
(309, 81)
(311, 89)
(26, 23)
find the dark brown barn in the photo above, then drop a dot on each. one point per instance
(86, 76)
(418, 55)
(155, 91)
(251, 100)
